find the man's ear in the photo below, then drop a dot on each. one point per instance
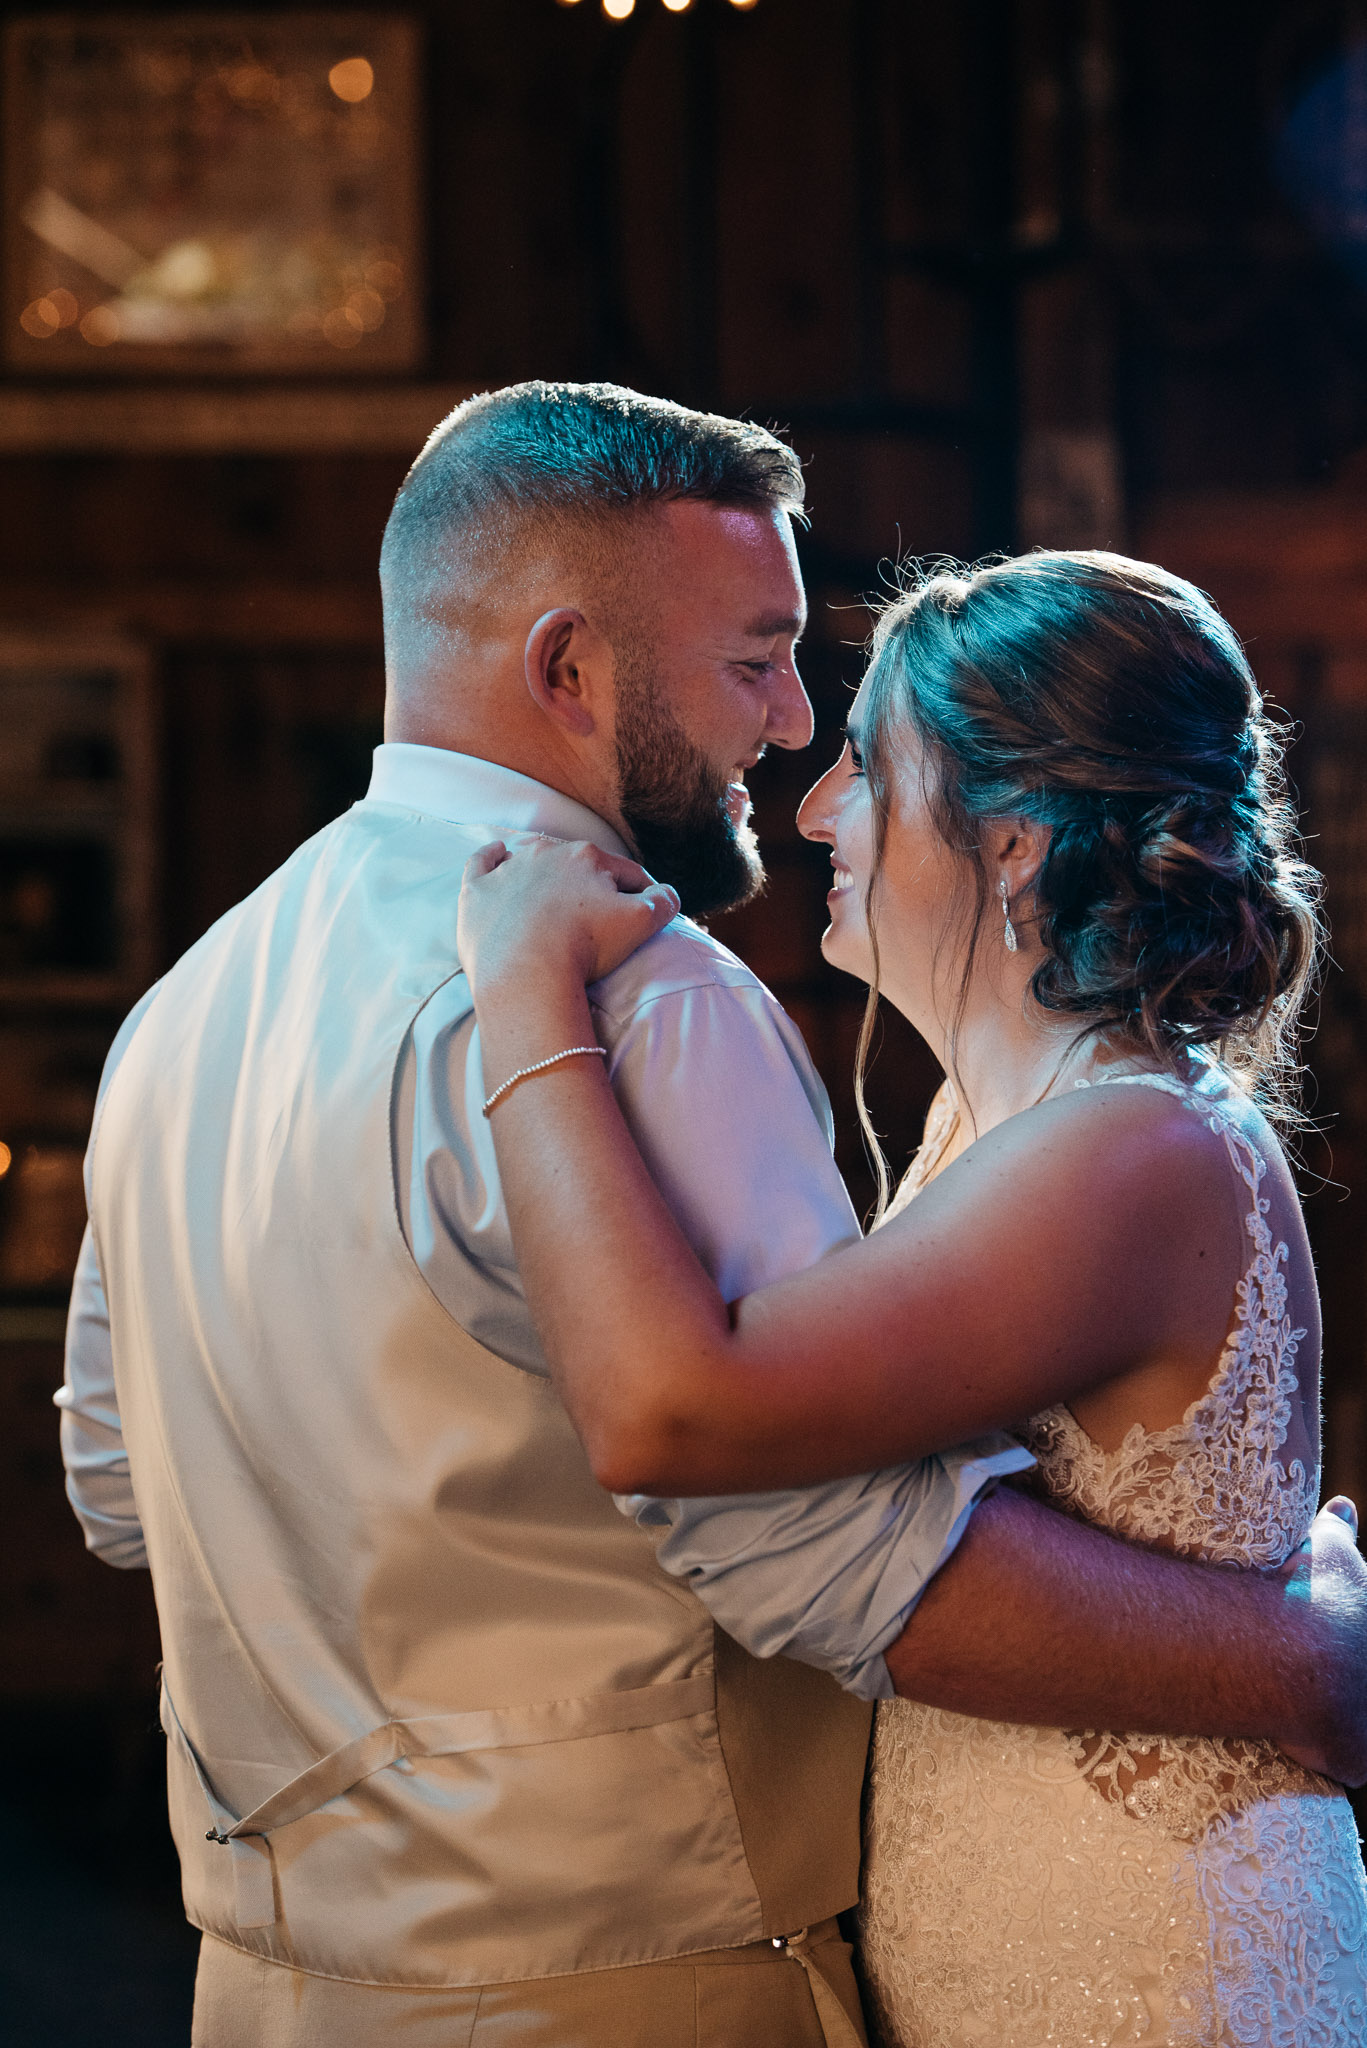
(568, 666)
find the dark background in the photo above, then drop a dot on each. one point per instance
(1011, 272)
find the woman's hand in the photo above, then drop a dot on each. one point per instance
(554, 906)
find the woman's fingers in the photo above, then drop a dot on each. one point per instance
(560, 858)
(484, 860)
(631, 878)
(547, 900)
(664, 902)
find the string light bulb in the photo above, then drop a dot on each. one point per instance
(621, 10)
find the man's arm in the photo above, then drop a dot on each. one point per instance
(98, 1484)
(1043, 1620)
(97, 1478)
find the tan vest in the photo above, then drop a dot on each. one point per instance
(452, 1721)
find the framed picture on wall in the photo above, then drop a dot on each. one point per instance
(212, 194)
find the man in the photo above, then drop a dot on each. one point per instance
(458, 1752)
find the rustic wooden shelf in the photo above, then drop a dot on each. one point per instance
(276, 419)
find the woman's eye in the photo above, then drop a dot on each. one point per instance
(856, 760)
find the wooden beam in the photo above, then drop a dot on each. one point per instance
(239, 419)
(244, 610)
(1286, 567)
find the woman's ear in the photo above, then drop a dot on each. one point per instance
(1015, 849)
(568, 667)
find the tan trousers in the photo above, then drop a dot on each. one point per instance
(755, 1997)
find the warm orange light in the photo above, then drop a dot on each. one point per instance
(618, 10)
(385, 277)
(368, 307)
(6, 1159)
(100, 326)
(342, 327)
(353, 79)
(40, 318)
(745, 5)
(678, 6)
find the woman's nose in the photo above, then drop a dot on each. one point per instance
(814, 814)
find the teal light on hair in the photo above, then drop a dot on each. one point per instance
(1110, 701)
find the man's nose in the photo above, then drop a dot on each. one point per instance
(789, 720)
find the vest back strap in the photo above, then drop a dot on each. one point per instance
(609, 1713)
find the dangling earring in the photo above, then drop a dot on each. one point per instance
(1010, 933)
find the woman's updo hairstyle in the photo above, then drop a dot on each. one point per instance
(1110, 701)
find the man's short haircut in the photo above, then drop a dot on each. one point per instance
(554, 454)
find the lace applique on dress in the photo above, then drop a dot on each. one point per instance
(1211, 1485)
(1029, 1886)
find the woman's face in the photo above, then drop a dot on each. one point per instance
(924, 890)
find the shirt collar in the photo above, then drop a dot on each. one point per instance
(467, 790)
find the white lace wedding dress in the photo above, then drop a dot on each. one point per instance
(1026, 1886)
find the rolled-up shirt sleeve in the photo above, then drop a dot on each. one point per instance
(98, 1482)
(828, 1574)
(734, 1125)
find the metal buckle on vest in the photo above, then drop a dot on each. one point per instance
(837, 2028)
(214, 1836)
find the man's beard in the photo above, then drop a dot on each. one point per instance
(674, 805)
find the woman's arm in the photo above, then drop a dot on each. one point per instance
(1024, 1273)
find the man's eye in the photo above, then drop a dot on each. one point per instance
(758, 668)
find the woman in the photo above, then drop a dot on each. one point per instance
(1061, 849)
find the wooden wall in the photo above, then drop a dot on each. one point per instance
(1012, 271)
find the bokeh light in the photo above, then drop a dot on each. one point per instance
(40, 319)
(100, 326)
(618, 10)
(353, 79)
(343, 326)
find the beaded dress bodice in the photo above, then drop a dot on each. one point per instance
(1029, 1886)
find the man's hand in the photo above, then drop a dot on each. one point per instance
(1328, 1575)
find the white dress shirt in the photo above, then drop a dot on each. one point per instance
(721, 1096)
